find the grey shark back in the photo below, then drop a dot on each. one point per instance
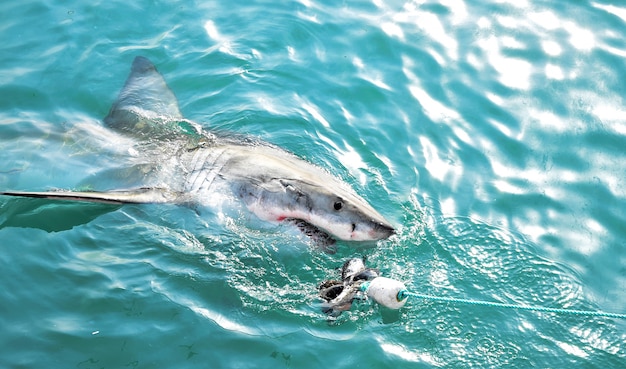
(274, 184)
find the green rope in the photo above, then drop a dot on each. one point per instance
(404, 294)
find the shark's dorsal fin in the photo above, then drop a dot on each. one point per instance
(145, 104)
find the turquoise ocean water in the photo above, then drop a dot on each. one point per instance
(492, 133)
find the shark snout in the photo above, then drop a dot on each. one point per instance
(372, 230)
(381, 231)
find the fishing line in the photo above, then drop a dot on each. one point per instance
(393, 294)
(403, 294)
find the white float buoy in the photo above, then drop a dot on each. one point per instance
(385, 291)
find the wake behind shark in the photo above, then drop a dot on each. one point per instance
(273, 184)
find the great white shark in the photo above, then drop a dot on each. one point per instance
(273, 183)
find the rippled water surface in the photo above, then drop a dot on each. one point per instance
(491, 133)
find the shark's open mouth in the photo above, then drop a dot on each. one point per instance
(321, 238)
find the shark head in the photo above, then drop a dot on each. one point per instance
(289, 188)
(337, 211)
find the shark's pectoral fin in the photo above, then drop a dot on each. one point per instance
(321, 238)
(57, 217)
(50, 216)
(136, 196)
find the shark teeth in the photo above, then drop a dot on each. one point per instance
(321, 238)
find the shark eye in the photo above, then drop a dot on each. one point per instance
(338, 205)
